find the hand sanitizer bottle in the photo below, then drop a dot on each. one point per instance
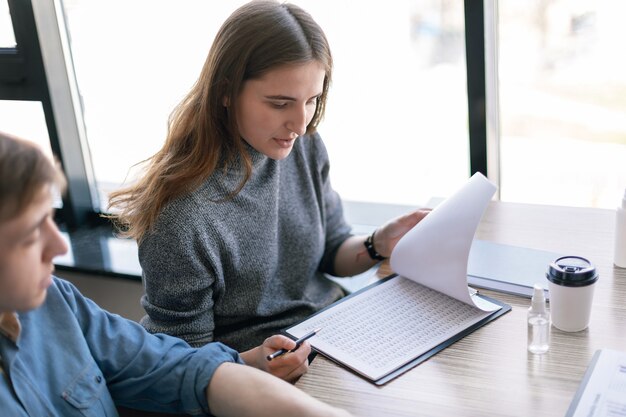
(620, 235)
(538, 323)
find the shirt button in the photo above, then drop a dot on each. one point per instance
(98, 379)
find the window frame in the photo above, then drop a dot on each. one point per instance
(42, 71)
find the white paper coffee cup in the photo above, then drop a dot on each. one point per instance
(571, 282)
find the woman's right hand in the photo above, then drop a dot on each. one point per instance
(289, 366)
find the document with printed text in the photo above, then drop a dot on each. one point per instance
(602, 392)
(391, 326)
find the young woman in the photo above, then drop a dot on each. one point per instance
(61, 355)
(235, 216)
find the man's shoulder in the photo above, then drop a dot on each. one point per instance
(62, 293)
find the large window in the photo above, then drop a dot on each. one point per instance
(562, 74)
(396, 125)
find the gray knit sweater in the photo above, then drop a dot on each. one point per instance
(240, 270)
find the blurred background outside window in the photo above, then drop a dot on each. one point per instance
(396, 122)
(396, 125)
(562, 73)
(7, 37)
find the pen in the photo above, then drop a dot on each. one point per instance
(298, 343)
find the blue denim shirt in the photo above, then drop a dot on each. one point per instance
(74, 359)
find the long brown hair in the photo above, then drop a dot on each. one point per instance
(203, 131)
(24, 171)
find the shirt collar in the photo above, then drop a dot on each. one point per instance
(10, 326)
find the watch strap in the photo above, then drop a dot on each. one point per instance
(371, 250)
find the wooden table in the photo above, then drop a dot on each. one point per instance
(490, 372)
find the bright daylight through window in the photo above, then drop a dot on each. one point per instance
(563, 102)
(7, 38)
(396, 122)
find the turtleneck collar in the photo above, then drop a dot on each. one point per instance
(256, 157)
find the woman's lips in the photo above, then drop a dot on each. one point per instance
(284, 143)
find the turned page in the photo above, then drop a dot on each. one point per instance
(435, 252)
(388, 325)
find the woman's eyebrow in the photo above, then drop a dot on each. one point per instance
(282, 97)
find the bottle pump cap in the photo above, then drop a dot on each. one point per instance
(538, 303)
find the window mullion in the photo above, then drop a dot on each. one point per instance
(492, 102)
(66, 108)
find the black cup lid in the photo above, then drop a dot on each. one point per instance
(572, 271)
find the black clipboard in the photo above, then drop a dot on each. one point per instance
(505, 308)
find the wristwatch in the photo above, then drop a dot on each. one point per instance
(369, 245)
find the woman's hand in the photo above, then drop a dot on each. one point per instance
(387, 236)
(352, 258)
(289, 366)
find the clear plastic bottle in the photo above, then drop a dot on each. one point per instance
(538, 323)
(620, 235)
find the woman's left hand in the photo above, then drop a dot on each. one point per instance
(387, 236)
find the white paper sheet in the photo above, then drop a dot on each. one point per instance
(436, 251)
(603, 392)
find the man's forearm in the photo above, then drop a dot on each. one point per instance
(239, 390)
